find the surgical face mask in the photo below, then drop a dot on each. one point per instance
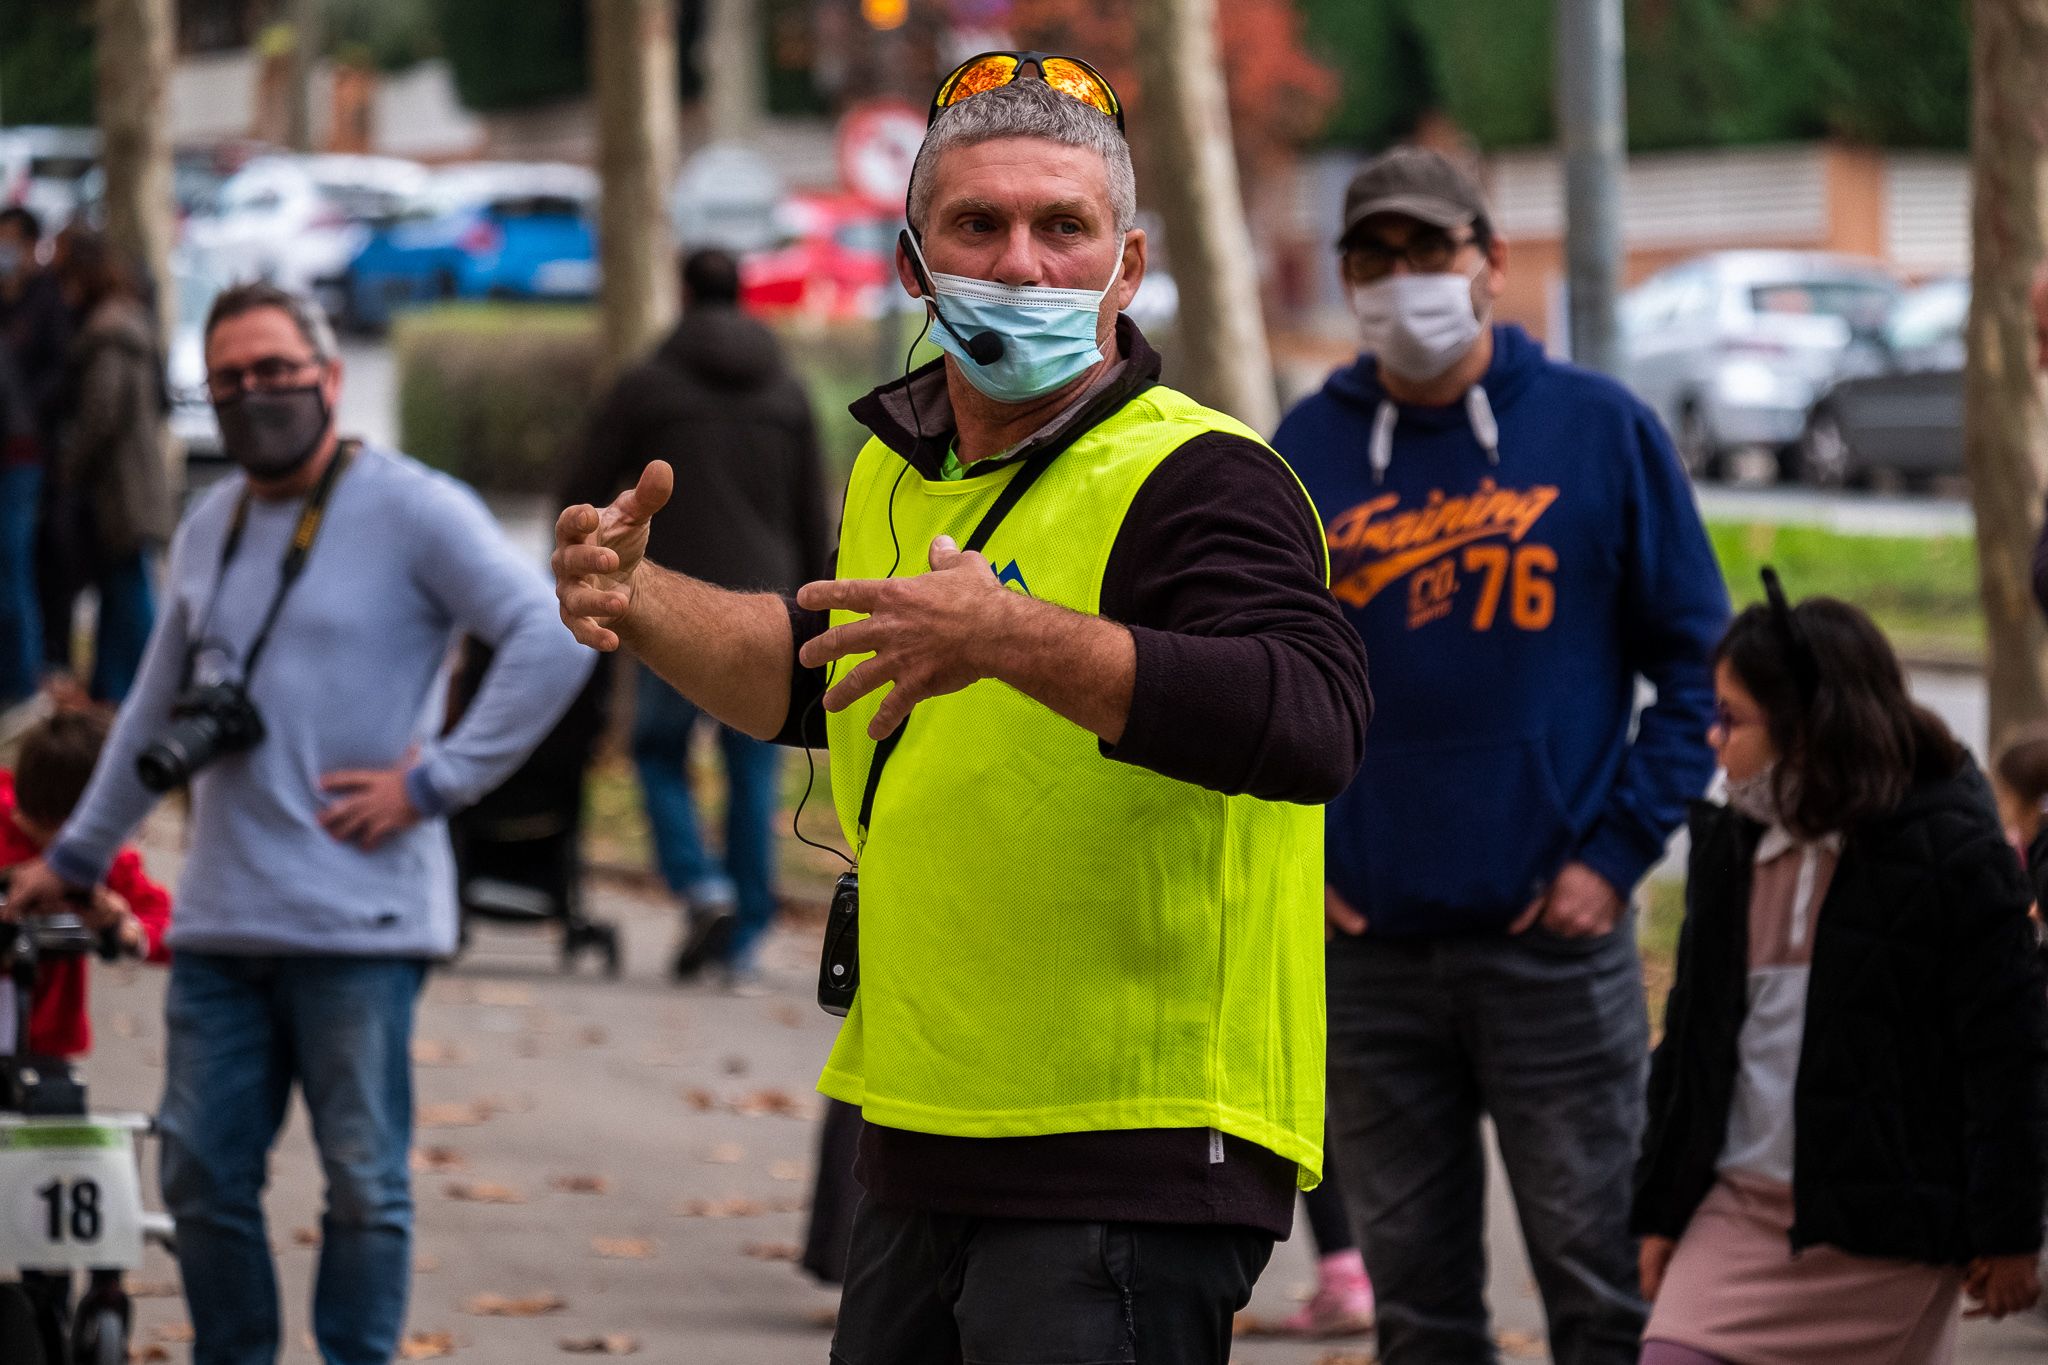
(1049, 336)
(271, 433)
(1417, 326)
(1756, 796)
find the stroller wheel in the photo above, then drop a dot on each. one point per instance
(102, 1337)
(608, 939)
(21, 1339)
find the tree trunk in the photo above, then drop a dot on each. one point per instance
(304, 19)
(633, 72)
(132, 89)
(2003, 419)
(1222, 333)
(731, 62)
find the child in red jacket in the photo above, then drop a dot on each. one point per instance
(50, 773)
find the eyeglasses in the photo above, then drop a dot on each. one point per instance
(1428, 251)
(1069, 75)
(267, 375)
(1727, 722)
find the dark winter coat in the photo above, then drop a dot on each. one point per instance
(1918, 1106)
(115, 452)
(716, 401)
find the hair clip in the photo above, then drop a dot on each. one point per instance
(1805, 668)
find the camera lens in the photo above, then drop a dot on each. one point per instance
(162, 767)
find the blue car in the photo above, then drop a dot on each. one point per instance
(479, 232)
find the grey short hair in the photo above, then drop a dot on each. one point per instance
(1028, 108)
(308, 316)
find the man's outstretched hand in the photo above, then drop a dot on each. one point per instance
(927, 634)
(598, 555)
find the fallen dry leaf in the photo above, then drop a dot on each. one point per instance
(306, 1237)
(700, 1099)
(1347, 1358)
(787, 1170)
(428, 1052)
(147, 1355)
(779, 1103)
(580, 1184)
(773, 1251)
(501, 1306)
(461, 1114)
(787, 1203)
(176, 1333)
(623, 1248)
(152, 1289)
(438, 1160)
(734, 1207)
(789, 1016)
(426, 1345)
(503, 993)
(593, 1035)
(610, 1344)
(482, 1192)
(726, 1154)
(426, 1263)
(1521, 1345)
(827, 1317)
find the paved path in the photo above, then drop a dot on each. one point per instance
(551, 1079)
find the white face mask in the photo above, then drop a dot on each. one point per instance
(1756, 796)
(1417, 326)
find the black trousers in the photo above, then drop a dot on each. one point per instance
(940, 1289)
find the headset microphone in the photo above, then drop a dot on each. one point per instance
(984, 348)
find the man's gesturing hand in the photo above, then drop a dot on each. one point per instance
(598, 554)
(928, 634)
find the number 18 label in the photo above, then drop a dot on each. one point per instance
(69, 1197)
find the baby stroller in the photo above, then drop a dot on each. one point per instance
(70, 1194)
(518, 852)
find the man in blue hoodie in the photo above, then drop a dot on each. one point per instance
(1517, 545)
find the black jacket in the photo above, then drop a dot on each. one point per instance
(716, 401)
(1918, 1107)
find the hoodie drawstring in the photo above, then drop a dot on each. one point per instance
(1478, 411)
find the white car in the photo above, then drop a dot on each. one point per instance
(41, 168)
(299, 220)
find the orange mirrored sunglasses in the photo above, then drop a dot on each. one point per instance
(1069, 75)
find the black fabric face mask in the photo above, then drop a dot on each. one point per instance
(272, 433)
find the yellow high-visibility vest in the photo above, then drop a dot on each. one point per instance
(1052, 941)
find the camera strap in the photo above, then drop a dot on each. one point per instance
(1012, 493)
(296, 553)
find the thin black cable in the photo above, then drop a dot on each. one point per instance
(803, 725)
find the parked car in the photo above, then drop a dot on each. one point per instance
(299, 220)
(192, 421)
(499, 230)
(1730, 348)
(197, 173)
(836, 261)
(1898, 410)
(40, 170)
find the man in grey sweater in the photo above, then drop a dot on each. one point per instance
(319, 883)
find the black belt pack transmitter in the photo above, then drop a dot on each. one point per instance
(839, 965)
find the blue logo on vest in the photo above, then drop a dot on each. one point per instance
(1013, 578)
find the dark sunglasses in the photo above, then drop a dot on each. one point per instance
(1069, 75)
(1428, 251)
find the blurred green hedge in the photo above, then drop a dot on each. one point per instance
(497, 393)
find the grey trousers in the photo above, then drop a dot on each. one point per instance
(1547, 1036)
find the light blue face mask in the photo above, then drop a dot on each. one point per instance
(1048, 335)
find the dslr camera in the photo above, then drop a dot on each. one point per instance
(207, 723)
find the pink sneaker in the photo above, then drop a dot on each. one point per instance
(1342, 1305)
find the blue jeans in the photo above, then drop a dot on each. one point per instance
(1549, 1037)
(21, 618)
(127, 614)
(662, 724)
(242, 1030)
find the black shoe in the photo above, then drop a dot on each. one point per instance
(709, 937)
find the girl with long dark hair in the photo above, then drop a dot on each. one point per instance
(1843, 1113)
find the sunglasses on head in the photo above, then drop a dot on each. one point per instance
(1069, 75)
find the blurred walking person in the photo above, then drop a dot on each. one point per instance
(717, 401)
(1845, 1108)
(113, 487)
(1516, 544)
(34, 334)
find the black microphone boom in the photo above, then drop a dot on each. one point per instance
(983, 348)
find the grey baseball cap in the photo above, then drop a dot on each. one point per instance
(1416, 182)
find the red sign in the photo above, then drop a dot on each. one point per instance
(878, 144)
